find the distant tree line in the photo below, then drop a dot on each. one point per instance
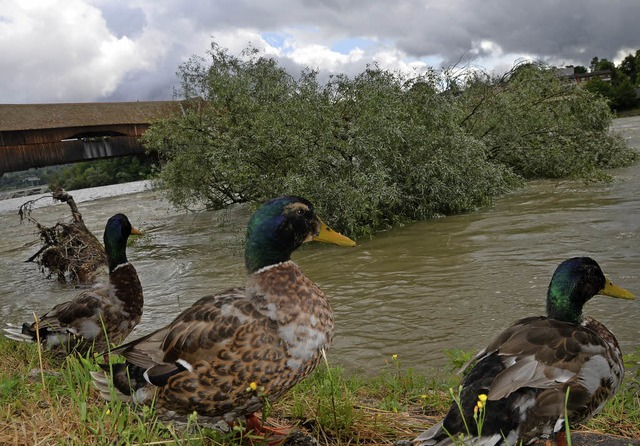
(86, 174)
(625, 80)
(379, 148)
(26, 178)
(102, 172)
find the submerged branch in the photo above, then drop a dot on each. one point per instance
(69, 250)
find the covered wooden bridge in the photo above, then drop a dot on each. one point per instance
(37, 135)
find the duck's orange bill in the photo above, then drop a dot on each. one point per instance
(136, 231)
(328, 235)
(612, 290)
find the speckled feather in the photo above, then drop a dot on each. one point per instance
(271, 333)
(539, 359)
(526, 371)
(77, 325)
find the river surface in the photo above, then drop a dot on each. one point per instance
(415, 291)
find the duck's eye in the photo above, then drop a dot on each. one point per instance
(300, 212)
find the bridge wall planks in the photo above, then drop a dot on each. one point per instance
(38, 135)
(23, 157)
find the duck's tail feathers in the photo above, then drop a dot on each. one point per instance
(437, 436)
(18, 333)
(103, 382)
(431, 437)
(52, 338)
(124, 382)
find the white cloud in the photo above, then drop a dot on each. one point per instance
(320, 56)
(87, 50)
(394, 59)
(621, 54)
(487, 47)
(62, 50)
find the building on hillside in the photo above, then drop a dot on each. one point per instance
(582, 78)
(31, 181)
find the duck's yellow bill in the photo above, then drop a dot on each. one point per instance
(328, 235)
(612, 290)
(136, 231)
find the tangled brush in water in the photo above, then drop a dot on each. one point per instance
(69, 250)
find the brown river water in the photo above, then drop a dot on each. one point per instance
(415, 291)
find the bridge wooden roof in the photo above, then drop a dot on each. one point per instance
(50, 116)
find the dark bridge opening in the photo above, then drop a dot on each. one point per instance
(94, 135)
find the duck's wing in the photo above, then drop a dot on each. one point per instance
(196, 334)
(79, 317)
(551, 355)
(526, 373)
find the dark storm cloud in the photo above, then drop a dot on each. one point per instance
(123, 20)
(131, 49)
(548, 29)
(570, 30)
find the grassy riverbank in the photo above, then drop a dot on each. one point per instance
(48, 401)
(628, 113)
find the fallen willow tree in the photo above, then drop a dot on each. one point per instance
(379, 148)
(69, 251)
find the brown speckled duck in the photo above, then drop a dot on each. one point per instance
(228, 352)
(521, 380)
(77, 325)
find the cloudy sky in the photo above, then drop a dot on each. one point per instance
(127, 50)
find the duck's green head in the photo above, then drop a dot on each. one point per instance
(282, 225)
(573, 283)
(116, 233)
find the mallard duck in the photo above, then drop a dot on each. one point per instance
(230, 352)
(114, 309)
(520, 381)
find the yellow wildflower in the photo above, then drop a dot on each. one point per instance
(394, 357)
(253, 386)
(482, 397)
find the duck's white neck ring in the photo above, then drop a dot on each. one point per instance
(119, 266)
(268, 267)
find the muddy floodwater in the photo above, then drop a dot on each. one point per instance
(416, 291)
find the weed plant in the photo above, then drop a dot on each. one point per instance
(47, 400)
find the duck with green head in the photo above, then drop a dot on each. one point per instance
(521, 380)
(99, 315)
(228, 352)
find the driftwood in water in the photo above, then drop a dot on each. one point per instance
(69, 250)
